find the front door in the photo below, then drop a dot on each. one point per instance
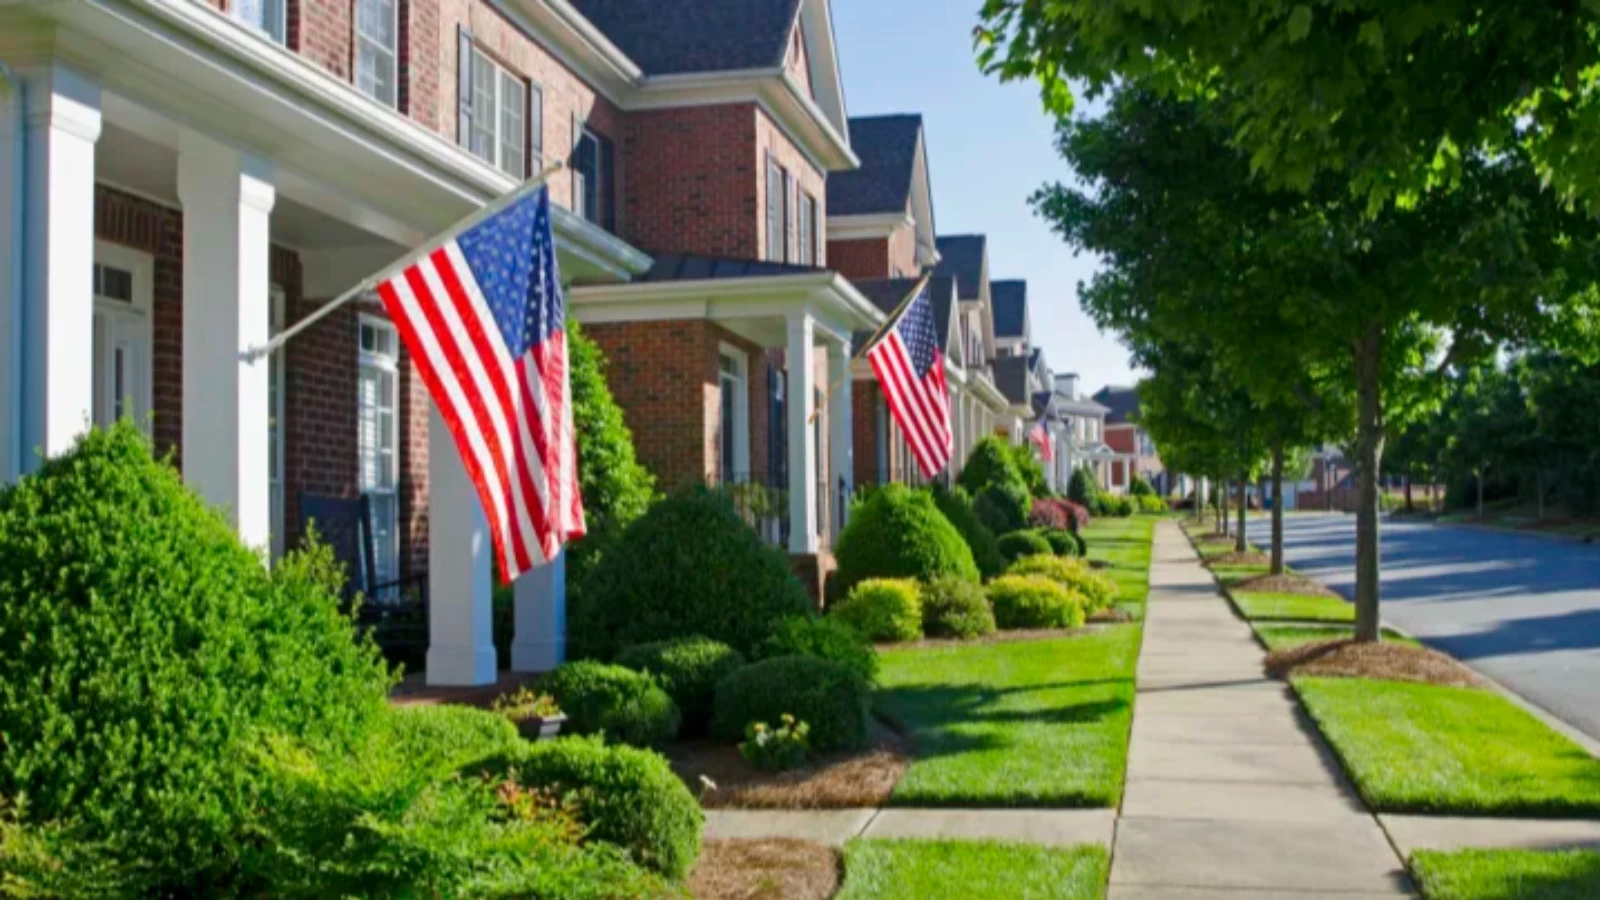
(122, 289)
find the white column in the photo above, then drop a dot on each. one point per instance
(460, 624)
(47, 243)
(227, 210)
(539, 637)
(802, 384)
(841, 434)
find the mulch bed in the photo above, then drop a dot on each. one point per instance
(765, 869)
(1281, 584)
(835, 781)
(1248, 558)
(1385, 661)
(1111, 616)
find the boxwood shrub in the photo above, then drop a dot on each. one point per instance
(824, 638)
(1097, 590)
(956, 504)
(990, 463)
(824, 694)
(897, 532)
(1062, 542)
(953, 608)
(622, 704)
(1028, 542)
(688, 669)
(883, 609)
(447, 737)
(1002, 508)
(689, 566)
(1034, 601)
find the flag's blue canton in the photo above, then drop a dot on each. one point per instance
(917, 333)
(512, 256)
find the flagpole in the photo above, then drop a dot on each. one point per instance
(254, 353)
(873, 339)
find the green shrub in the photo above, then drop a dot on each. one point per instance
(1122, 506)
(1034, 601)
(145, 653)
(689, 566)
(1018, 544)
(626, 796)
(1139, 487)
(1002, 508)
(1062, 542)
(448, 737)
(776, 749)
(1097, 591)
(1030, 469)
(824, 638)
(1152, 504)
(826, 695)
(688, 669)
(956, 504)
(625, 705)
(953, 608)
(990, 463)
(883, 609)
(897, 532)
(1083, 489)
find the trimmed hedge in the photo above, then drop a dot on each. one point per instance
(1062, 542)
(956, 504)
(624, 705)
(1034, 601)
(953, 608)
(689, 566)
(883, 609)
(1098, 591)
(825, 695)
(448, 737)
(1002, 508)
(1018, 544)
(1139, 487)
(897, 532)
(688, 669)
(824, 638)
(990, 463)
(1150, 503)
(626, 796)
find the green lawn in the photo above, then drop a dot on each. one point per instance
(1508, 875)
(1293, 607)
(1426, 749)
(1124, 544)
(1227, 576)
(1026, 723)
(985, 870)
(1282, 637)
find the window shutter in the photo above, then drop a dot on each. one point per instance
(535, 119)
(788, 218)
(464, 87)
(608, 185)
(575, 162)
(774, 209)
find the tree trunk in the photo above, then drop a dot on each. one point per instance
(1277, 508)
(1409, 506)
(1479, 477)
(1538, 484)
(1240, 545)
(1369, 455)
(1224, 523)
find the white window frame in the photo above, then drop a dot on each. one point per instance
(138, 314)
(277, 408)
(365, 43)
(740, 380)
(490, 122)
(274, 23)
(391, 365)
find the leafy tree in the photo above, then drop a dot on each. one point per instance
(616, 487)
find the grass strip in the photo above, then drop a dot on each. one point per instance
(1283, 637)
(971, 870)
(1508, 874)
(1292, 607)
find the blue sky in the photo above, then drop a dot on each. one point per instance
(990, 146)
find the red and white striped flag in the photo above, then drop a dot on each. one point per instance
(484, 318)
(910, 370)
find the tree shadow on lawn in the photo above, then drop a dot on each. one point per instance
(1519, 875)
(933, 716)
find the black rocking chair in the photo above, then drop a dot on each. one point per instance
(394, 612)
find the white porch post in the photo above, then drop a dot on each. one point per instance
(47, 247)
(841, 436)
(539, 637)
(460, 623)
(227, 208)
(802, 384)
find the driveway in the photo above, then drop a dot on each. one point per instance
(1522, 610)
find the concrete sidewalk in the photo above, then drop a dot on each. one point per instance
(1230, 791)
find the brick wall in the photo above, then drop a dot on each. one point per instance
(771, 139)
(421, 53)
(860, 259)
(324, 32)
(702, 192)
(864, 431)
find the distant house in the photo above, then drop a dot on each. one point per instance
(1126, 437)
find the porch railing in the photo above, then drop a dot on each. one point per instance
(760, 502)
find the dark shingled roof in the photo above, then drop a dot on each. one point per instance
(886, 294)
(1122, 403)
(887, 148)
(1010, 308)
(694, 267)
(1011, 377)
(673, 37)
(962, 255)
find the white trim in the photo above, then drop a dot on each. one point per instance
(867, 226)
(717, 297)
(277, 306)
(391, 365)
(358, 38)
(741, 406)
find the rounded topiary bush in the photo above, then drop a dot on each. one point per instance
(689, 566)
(1149, 503)
(1097, 590)
(622, 704)
(897, 532)
(145, 655)
(956, 504)
(823, 638)
(688, 669)
(1082, 488)
(1002, 508)
(1017, 544)
(626, 796)
(883, 609)
(826, 695)
(1034, 601)
(991, 462)
(953, 608)
(1062, 541)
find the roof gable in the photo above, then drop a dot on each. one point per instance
(964, 256)
(1011, 377)
(1121, 403)
(1010, 299)
(887, 147)
(679, 37)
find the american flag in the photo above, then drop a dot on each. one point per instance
(910, 369)
(484, 319)
(1039, 434)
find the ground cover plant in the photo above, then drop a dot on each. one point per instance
(1508, 874)
(979, 870)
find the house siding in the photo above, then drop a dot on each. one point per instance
(704, 190)
(769, 138)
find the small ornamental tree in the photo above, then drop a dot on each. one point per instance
(898, 532)
(991, 463)
(1083, 489)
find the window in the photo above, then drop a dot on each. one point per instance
(776, 179)
(498, 129)
(810, 233)
(733, 425)
(377, 31)
(593, 161)
(265, 16)
(377, 437)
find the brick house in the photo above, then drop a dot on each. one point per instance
(977, 404)
(1124, 436)
(185, 177)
